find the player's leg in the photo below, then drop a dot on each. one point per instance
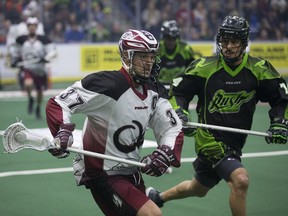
(123, 195)
(236, 177)
(41, 83)
(205, 179)
(239, 186)
(28, 87)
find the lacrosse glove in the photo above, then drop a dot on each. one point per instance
(184, 117)
(278, 132)
(65, 138)
(156, 163)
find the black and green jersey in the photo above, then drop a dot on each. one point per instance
(174, 63)
(228, 97)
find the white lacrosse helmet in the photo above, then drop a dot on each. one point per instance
(136, 41)
(32, 21)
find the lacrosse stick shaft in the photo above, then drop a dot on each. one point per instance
(107, 157)
(228, 129)
(28, 62)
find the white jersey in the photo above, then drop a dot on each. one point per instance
(117, 118)
(18, 30)
(32, 51)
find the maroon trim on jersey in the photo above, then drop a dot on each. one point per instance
(129, 79)
(54, 116)
(178, 149)
(94, 140)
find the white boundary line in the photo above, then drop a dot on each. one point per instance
(183, 160)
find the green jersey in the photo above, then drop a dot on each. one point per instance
(174, 63)
(228, 97)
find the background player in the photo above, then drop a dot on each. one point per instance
(175, 54)
(31, 52)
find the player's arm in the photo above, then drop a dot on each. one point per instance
(166, 127)
(58, 115)
(274, 91)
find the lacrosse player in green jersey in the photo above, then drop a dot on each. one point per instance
(228, 87)
(175, 55)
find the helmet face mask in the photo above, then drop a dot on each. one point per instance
(233, 29)
(137, 49)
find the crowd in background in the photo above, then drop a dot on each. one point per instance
(67, 21)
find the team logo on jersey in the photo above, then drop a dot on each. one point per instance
(135, 143)
(224, 102)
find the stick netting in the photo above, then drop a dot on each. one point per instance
(17, 137)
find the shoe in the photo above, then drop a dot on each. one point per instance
(154, 195)
(38, 113)
(30, 105)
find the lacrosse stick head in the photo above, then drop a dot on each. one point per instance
(17, 137)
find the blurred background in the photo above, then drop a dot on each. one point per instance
(80, 28)
(104, 21)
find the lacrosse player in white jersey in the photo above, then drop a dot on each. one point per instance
(31, 52)
(119, 106)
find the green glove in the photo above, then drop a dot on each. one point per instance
(184, 116)
(278, 132)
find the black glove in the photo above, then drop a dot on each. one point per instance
(278, 132)
(157, 162)
(43, 60)
(59, 153)
(184, 116)
(14, 62)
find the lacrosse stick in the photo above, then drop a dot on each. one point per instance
(17, 137)
(28, 62)
(228, 129)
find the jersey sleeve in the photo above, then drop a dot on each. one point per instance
(167, 128)
(74, 99)
(272, 89)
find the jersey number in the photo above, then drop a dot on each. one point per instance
(79, 100)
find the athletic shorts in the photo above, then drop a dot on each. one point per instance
(210, 176)
(120, 195)
(40, 82)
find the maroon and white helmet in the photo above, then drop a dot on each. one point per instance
(137, 41)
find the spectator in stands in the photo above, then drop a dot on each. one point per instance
(151, 18)
(74, 34)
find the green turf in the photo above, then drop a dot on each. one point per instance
(57, 194)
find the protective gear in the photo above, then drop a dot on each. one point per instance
(14, 62)
(65, 135)
(59, 153)
(170, 29)
(157, 162)
(184, 116)
(32, 21)
(136, 41)
(278, 132)
(233, 27)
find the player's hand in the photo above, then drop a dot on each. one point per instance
(65, 135)
(59, 153)
(14, 62)
(157, 163)
(184, 116)
(278, 132)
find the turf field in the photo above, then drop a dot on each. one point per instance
(48, 187)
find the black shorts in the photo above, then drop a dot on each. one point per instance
(120, 195)
(209, 176)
